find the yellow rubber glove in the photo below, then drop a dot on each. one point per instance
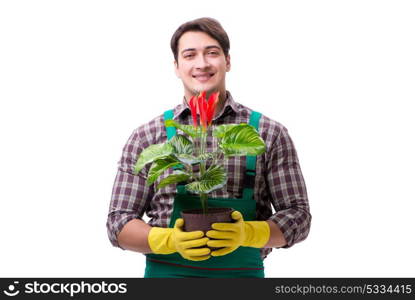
(171, 240)
(231, 236)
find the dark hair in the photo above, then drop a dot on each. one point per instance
(209, 26)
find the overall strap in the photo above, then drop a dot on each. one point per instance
(170, 130)
(249, 178)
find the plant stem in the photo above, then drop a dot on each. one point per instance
(204, 201)
(189, 170)
(202, 151)
(217, 158)
(203, 197)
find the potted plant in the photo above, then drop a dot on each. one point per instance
(185, 151)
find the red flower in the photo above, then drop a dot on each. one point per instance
(193, 109)
(202, 104)
(212, 103)
(206, 109)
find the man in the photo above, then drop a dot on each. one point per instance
(201, 60)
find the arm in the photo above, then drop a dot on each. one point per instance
(141, 237)
(134, 236)
(291, 222)
(130, 197)
(276, 239)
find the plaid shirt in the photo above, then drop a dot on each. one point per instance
(279, 181)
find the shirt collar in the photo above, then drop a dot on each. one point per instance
(183, 109)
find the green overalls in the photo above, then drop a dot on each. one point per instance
(243, 262)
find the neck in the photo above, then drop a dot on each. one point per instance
(221, 103)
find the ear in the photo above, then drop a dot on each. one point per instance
(176, 69)
(228, 63)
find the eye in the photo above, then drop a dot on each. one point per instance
(213, 53)
(189, 55)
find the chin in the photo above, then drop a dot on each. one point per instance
(208, 89)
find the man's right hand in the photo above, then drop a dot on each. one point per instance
(170, 240)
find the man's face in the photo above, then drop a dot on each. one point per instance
(201, 64)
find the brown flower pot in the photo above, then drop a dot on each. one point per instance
(195, 220)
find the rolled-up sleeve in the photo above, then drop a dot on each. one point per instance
(130, 194)
(288, 190)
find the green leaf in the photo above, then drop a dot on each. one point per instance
(219, 131)
(181, 144)
(242, 140)
(187, 159)
(188, 129)
(174, 178)
(207, 156)
(159, 166)
(191, 159)
(213, 179)
(152, 153)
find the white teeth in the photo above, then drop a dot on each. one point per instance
(202, 76)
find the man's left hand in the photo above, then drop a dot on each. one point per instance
(230, 236)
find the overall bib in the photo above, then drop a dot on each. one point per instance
(243, 262)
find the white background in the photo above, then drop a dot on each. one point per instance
(76, 77)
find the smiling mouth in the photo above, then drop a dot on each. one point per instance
(203, 77)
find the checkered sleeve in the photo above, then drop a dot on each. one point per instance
(130, 194)
(288, 190)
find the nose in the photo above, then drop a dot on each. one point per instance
(201, 62)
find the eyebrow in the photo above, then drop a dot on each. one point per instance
(207, 47)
